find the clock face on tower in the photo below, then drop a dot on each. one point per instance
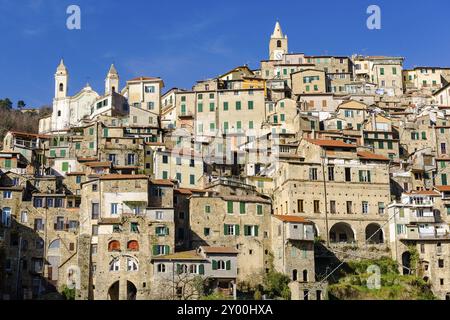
(278, 54)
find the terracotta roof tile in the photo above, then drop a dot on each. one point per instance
(330, 143)
(290, 218)
(162, 182)
(371, 156)
(219, 250)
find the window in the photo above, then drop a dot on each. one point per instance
(134, 227)
(238, 105)
(23, 217)
(200, 107)
(382, 71)
(441, 263)
(131, 158)
(114, 245)
(330, 173)
(159, 215)
(242, 207)
(208, 208)
(206, 232)
(132, 264)
(259, 209)
(95, 230)
(149, 89)
(250, 230)
(313, 174)
(349, 207)
(91, 145)
(7, 195)
(114, 265)
(160, 250)
(230, 207)
(332, 206)
(231, 229)
(211, 107)
(162, 231)
(250, 105)
(365, 207)
(221, 265)
(95, 211)
(161, 267)
(364, 176)
(114, 208)
(238, 125)
(6, 217)
(348, 175)
(38, 202)
(316, 206)
(225, 106)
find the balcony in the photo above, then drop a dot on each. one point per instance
(422, 218)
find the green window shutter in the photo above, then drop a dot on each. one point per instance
(155, 250)
(225, 229)
(381, 144)
(236, 229)
(360, 176)
(65, 166)
(225, 126)
(282, 117)
(256, 231)
(442, 164)
(105, 132)
(164, 175)
(238, 105)
(339, 125)
(167, 249)
(8, 163)
(242, 207)
(259, 209)
(214, 265)
(368, 176)
(225, 106)
(230, 206)
(250, 124)
(250, 105)
(183, 109)
(62, 153)
(77, 146)
(166, 231)
(228, 265)
(444, 179)
(91, 145)
(316, 87)
(424, 135)
(211, 107)
(238, 125)
(201, 269)
(52, 153)
(389, 144)
(275, 119)
(246, 230)
(91, 131)
(200, 107)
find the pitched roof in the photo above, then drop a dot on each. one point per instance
(443, 188)
(290, 218)
(123, 176)
(424, 192)
(183, 255)
(98, 164)
(162, 182)
(330, 143)
(371, 156)
(219, 250)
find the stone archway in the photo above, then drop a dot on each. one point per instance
(374, 234)
(406, 262)
(342, 232)
(113, 292)
(131, 291)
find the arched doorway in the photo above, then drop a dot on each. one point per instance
(406, 262)
(342, 232)
(113, 292)
(294, 275)
(131, 291)
(374, 234)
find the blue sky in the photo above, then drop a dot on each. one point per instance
(185, 41)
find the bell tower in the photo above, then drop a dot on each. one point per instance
(112, 80)
(278, 44)
(61, 81)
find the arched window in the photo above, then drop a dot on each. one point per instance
(294, 275)
(113, 89)
(182, 268)
(114, 265)
(305, 275)
(132, 264)
(61, 87)
(133, 245)
(55, 244)
(278, 43)
(161, 267)
(114, 246)
(59, 113)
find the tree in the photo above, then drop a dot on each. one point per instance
(276, 284)
(183, 286)
(6, 104)
(21, 104)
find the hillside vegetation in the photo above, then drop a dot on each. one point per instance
(14, 119)
(394, 286)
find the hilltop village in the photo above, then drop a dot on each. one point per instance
(134, 192)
